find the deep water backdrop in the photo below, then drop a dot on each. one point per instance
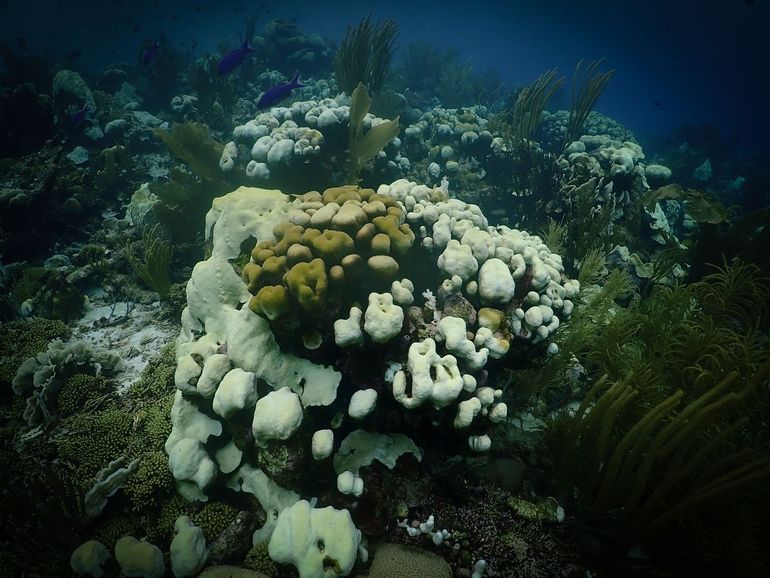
(681, 62)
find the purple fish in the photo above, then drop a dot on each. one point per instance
(77, 117)
(279, 92)
(234, 58)
(150, 53)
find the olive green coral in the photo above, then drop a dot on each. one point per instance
(308, 283)
(271, 301)
(157, 378)
(214, 518)
(333, 250)
(258, 559)
(92, 441)
(24, 338)
(78, 390)
(151, 482)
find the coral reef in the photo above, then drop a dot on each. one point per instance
(454, 332)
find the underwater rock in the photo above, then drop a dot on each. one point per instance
(70, 89)
(235, 540)
(79, 155)
(116, 128)
(657, 175)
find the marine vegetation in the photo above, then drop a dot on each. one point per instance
(664, 440)
(586, 87)
(521, 174)
(699, 206)
(153, 267)
(188, 192)
(364, 147)
(519, 121)
(365, 55)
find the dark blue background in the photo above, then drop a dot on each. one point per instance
(703, 61)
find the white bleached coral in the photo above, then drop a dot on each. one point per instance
(276, 416)
(347, 332)
(424, 363)
(319, 542)
(383, 319)
(286, 138)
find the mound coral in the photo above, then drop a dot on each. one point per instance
(437, 296)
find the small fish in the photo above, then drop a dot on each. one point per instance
(22, 42)
(73, 54)
(77, 117)
(234, 58)
(279, 92)
(657, 103)
(150, 53)
(136, 28)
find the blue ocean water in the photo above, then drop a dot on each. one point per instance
(677, 62)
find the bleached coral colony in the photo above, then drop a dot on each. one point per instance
(418, 284)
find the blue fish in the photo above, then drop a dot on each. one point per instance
(150, 53)
(234, 58)
(77, 117)
(279, 92)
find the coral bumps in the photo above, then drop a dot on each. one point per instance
(332, 246)
(420, 281)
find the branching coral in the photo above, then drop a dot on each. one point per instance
(95, 440)
(589, 224)
(521, 178)
(736, 292)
